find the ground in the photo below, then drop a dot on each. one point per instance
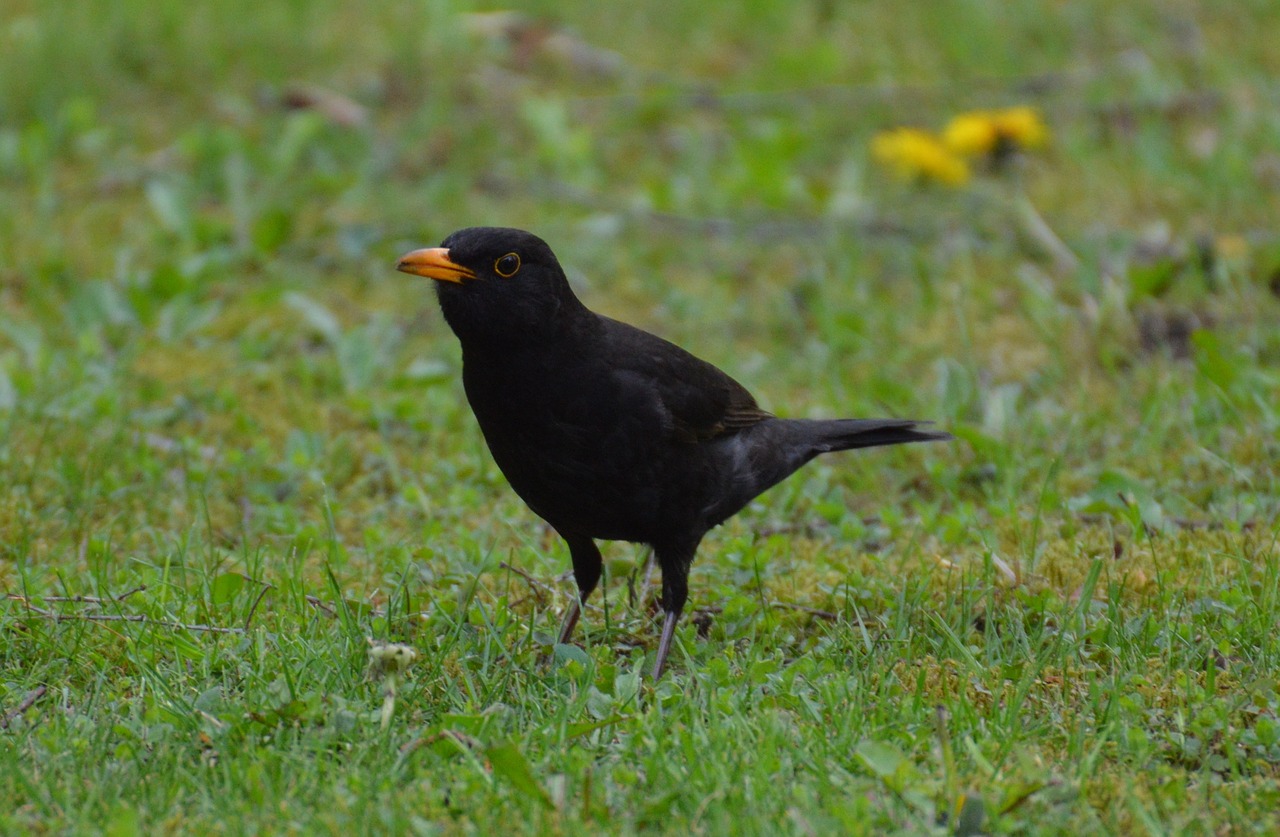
(236, 449)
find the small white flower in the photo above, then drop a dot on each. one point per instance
(388, 660)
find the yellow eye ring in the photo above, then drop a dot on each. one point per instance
(507, 266)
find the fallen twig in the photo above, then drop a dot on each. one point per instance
(27, 702)
(319, 605)
(533, 582)
(77, 599)
(812, 611)
(1094, 519)
(70, 599)
(129, 617)
(266, 588)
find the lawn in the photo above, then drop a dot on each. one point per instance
(236, 451)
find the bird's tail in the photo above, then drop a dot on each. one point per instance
(768, 452)
(792, 442)
(846, 434)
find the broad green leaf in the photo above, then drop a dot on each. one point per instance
(226, 587)
(881, 758)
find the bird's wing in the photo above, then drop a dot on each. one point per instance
(699, 401)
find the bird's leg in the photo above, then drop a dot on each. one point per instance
(675, 590)
(587, 567)
(570, 622)
(664, 644)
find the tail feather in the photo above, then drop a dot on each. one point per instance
(761, 456)
(847, 434)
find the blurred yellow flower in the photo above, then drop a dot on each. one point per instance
(971, 134)
(1022, 125)
(919, 155)
(995, 132)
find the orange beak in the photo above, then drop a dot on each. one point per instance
(434, 263)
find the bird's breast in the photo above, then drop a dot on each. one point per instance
(582, 452)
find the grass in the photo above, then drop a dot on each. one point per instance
(220, 408)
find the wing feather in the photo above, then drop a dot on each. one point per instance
(701, 401)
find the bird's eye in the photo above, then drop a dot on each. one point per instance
(507, 266)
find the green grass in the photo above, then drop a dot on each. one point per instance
(220, 407)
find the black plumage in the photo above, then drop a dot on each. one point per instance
(606, 431)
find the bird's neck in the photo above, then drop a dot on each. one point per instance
(500, 331)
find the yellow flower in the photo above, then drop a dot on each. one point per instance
(919, 155)
(981, 133)
(1021, 125)
(972, 134)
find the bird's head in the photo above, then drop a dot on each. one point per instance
(496, 285)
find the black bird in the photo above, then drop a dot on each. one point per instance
(606, 431)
